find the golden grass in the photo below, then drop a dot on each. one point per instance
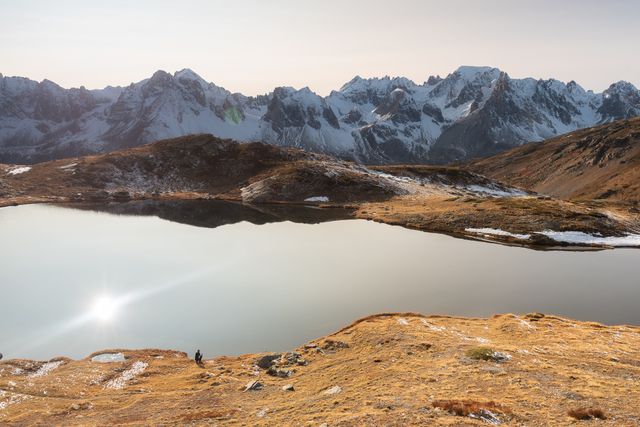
(386, 374)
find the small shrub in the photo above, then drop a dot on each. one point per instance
(587, 413)
(481, 353)
(486, 353)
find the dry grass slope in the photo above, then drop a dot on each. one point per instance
(392, 369)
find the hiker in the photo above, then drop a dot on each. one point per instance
(198, 357)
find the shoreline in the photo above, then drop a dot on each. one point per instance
(359, 211)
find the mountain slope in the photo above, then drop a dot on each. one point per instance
(596, 163)
(200, 164)
(473, 112)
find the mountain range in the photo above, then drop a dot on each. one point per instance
(473, 112)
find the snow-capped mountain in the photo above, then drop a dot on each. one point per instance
(473, 112)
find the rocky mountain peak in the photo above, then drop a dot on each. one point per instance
(473, 111)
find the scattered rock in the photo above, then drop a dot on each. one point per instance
(534, 317)
(280, 373)
(253, 386)
(486, 416)
(261, 413)
(499, 356)
(288, 387)
(293, 358)
(333, 390)
(265, 362)
(310, 346)
(80, 406)
(333, 345)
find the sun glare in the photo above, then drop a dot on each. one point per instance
(104, 308)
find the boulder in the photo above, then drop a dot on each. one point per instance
(265, 362)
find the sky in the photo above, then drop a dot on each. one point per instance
(252, 46)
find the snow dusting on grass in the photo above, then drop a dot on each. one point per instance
(497, 232)
(19, 170)
(496, 192)
(108, 358)
(11, 399)
(571, 237)
(432, 326)
(578, 237)
(136, 369)
(46, 368)
(317, 199)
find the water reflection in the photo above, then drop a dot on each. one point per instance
(214, 213)
(249, 280)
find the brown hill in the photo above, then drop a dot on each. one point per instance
(596, 163)
(201, 164)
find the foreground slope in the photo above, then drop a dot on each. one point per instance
(402, 369)
(596, 163)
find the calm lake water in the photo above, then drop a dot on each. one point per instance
(75, 281)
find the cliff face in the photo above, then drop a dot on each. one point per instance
(399, 369)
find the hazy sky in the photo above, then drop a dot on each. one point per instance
(251, 46)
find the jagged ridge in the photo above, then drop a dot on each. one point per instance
(473, 112)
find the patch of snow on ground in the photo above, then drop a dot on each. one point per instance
(69, 166)
(497, 232)
(12, 399)
(432, 326)
(19, 170)
(136, 369)
(525, 324)
(402, 321)
(486, 416)
(317, 199)
(108, 357)
(578, 237)
(402, 179)
(46, 368)
(496, 192)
